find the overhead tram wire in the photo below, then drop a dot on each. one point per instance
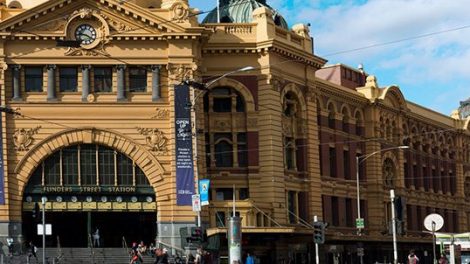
(397, 41)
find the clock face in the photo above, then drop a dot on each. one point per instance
(85, 33)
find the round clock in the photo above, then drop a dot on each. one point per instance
(86, 33)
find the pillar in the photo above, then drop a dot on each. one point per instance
(121, 79)
(85, 82)
(16, 83)
(156, 89)
(51, 95)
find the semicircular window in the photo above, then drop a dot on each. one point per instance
(88, 168)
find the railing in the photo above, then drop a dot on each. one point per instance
(126, 248)
(92, 253)
(60, 255)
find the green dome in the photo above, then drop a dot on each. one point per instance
(241, 11)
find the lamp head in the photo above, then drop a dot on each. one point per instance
(404, 147)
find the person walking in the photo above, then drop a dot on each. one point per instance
(96, 238)
(10, 246)
(32, 250)
(412, 258)
(249, 259)
(443, 259)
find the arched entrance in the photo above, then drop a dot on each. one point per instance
(89, 186)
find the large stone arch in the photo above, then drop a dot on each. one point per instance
(242, 89)
(91, 135)
(393, 95)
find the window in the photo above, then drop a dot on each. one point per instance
(292, 206)
(106, 166)
(103, 78)
(52, 170)
(137, 79)
(88, 164)
(223, 194)
(346, 165)
(222, 100)
(33, 79)
(70, 165)
(242, 150)
(220, 219)
(223, 150)
(289, 150)
(332, 162)
(244, 193)
(125, 169)
(68, 79)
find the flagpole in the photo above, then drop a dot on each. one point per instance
(218, 11)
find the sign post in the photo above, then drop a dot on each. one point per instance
(360, 223)
(196, 201)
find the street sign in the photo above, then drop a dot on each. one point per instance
(48, 229)
(196, 198)
(360, 252)
(360, 223)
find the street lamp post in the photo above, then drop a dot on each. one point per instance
(204, 87)
(359, 159)
(394, 228)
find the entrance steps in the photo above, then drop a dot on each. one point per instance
(80, 256)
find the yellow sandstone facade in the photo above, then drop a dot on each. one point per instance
(94, 125)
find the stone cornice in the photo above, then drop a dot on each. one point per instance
(327, 88)
(130, 10)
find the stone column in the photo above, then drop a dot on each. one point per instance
(156, 89)
(85, 82)
(51, 95)
(16, 83)
(121, 82)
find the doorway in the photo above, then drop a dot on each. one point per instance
(72, 229)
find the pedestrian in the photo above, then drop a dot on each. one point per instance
(164, 259)
(32, 250)
(158, 256)
(190, 259)
(443, 259)
(10, 246)
(199, 256)
(412, 258)
(96, 238)
(249, 259)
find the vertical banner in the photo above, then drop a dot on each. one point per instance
(2, 171)
(204, 191)
(184, 146)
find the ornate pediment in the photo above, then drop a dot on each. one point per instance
(53, 16)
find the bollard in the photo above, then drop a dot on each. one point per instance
(1, 259)
(27, 259)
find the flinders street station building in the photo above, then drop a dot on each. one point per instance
(92, 93)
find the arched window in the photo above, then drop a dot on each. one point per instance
(291, 122)
(224, 100)
(467, 185)
(15, 5)
(223, 153)
(77, 166)
(388, 171)
(359, 124)
(331, 116)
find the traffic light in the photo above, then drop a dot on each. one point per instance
(198, 235)
(36, 212)
(319, 232)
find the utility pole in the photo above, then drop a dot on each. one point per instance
(43, 201)
(234, 236)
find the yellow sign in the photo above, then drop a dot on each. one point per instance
(59, 206)
(74, 206)
(134, 206)
(119, 206)
(89, 205)
(104, 206)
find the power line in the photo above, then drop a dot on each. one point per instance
(397, 41)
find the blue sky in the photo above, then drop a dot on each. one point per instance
(433, 71)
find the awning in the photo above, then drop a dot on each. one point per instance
(260, 230)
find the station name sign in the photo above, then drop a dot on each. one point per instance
(89, 189)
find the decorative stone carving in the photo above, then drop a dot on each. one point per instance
(181, 72)
(161, 114)
(155, 139)
(277, 83)
(117, 25)
(3, 66)
(54, 25)
(23, 138)
(85, 12)
(180, 12)
(252, 123)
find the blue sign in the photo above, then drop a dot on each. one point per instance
(2, 175)
(204, 191)
(184, 146)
